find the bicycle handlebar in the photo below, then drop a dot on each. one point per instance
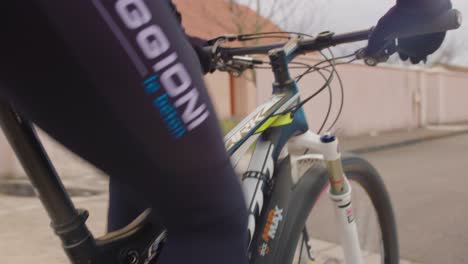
(452, 19)
(310, 45)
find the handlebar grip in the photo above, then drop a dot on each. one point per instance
(450, 20)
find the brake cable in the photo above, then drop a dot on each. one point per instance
(309, 69)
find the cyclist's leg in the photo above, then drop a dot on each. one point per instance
(88, 85)
(125, 204)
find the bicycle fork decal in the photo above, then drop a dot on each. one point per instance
(274, 217)
(347, 225)
(349, 214)
(339, 191)
(256, 179)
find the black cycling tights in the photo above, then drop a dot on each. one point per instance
(116, 82)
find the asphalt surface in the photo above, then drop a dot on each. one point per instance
(428, 185)
(426, 180)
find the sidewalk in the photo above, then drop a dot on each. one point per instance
(379, 142)
(25, 235)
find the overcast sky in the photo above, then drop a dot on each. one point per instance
(314, 16)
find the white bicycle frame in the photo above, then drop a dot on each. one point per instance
(325, 148)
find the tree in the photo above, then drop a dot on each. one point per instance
(449, 53)
(255, 16)
(245, 17)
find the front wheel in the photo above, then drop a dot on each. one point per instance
(310, 236)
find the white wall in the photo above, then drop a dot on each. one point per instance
(449, 100)
(218, 88)
(7, 159)
(376, 99)
(384, 98)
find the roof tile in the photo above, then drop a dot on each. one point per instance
(211, 18)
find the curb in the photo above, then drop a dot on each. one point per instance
(407, 142)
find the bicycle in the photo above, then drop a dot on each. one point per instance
(279, 198)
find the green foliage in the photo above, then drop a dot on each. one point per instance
(228, 124)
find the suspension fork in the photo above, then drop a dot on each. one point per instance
(339, 190)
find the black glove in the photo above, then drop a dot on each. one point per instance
(203, 57)
(405, 13)
(196, 42)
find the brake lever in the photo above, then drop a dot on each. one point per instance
(369, 60)
(238, 64)
(381, 56)
(217, 62)
(247, 59)
(234, 70)
(223, 38)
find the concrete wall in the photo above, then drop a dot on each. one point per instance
(221, 87)
(68, 165)
(376, 99)
(446, 94)
(8, 164)
(383, 98)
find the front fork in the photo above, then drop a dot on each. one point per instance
(339, 190)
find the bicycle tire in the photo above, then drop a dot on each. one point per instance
(307, 191)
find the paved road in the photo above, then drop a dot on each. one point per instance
(428, 184)
(25, 234)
